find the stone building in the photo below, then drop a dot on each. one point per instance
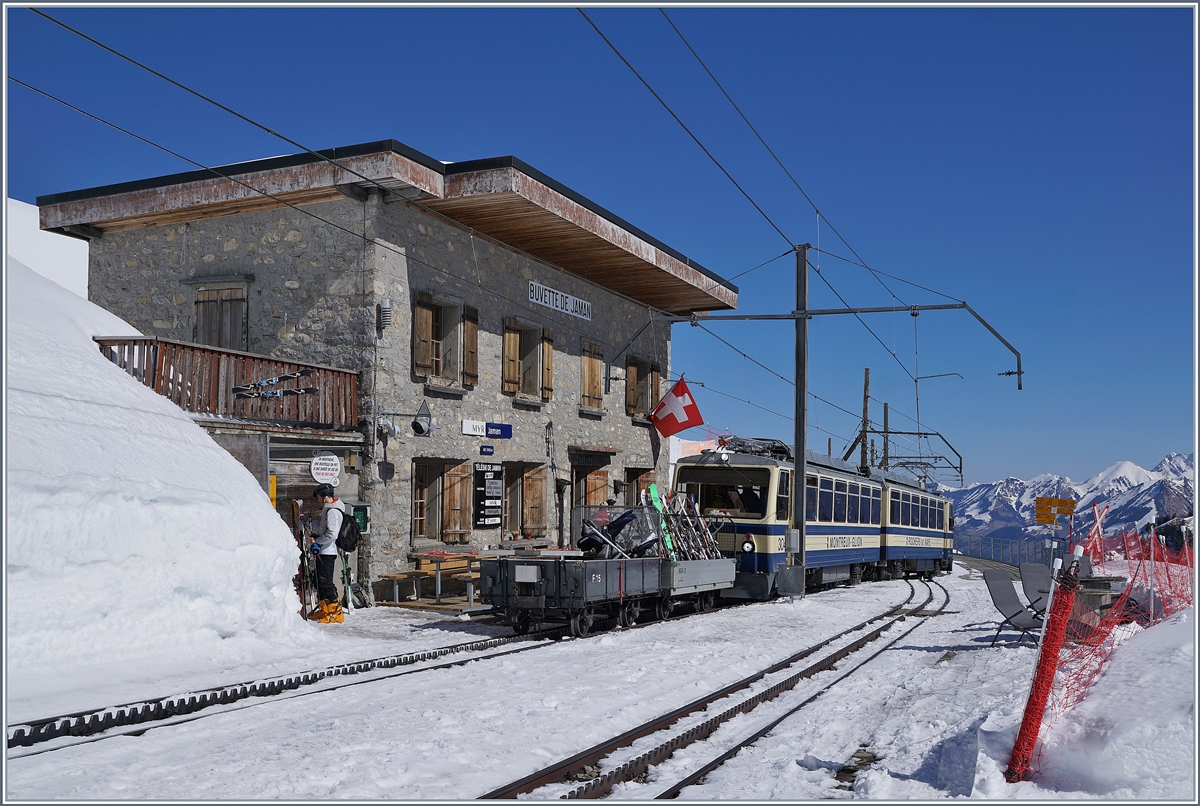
(498, 324)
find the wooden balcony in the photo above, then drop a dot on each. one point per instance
(201, 379)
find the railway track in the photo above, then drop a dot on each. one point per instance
(107, 722)
(100, 720)
(836, 648)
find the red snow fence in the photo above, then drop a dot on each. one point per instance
(1146, 583)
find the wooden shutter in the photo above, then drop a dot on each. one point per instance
(470, 352)
(597, 488)
(655, 393)
(631, 395)
(547, 365)
(221, 318)
(456, 503)
(422, 333)
(593, 364)
(533, 498)
(511, 377)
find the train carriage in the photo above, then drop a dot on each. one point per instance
(858, 527)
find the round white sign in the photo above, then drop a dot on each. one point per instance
(326, 468)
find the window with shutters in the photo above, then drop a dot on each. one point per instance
(528, 360)
(642, 384)
(589, 486)
(524, 502)
(636, 482)
(591, 386)
(445, 341)
(221, 317)
(441, 500)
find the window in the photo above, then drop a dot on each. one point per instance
(924, 513)
(852, 505)
(894, 515)
(839, 502)
(591, 387)
(445, 341)
(941, 516)
(642, 381)
(876, 500)
(783, 496)
(524, 502)
(905, 509)
(636, 481)
(589, 486)
(420, 501)
(825, 501)
(528, 360)
(441, 500)
(733, 490)
(221, 317)
(810, 498)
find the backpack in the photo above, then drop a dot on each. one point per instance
(348, 534)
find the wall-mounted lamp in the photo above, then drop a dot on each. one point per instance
(383, 316)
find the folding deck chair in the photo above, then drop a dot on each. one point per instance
(1004, 597)
(1035, 582)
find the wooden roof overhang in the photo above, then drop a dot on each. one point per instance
(502, 198)
(247, 186)
(515, 204)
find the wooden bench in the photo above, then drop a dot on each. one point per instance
(415, 576)
(470, 578)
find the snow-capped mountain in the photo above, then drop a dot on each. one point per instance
(1134, 496)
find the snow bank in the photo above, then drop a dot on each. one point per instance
(129, 532)
(1133, 736)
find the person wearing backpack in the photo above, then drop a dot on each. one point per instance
(325, 548)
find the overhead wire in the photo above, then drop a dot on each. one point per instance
(387, 190)
(665, 106)
(356, 235)
(774, 156)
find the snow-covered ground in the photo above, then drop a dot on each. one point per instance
(142, 561)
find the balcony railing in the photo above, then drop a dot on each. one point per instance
(201, 379)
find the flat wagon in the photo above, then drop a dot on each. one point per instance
(567, 586)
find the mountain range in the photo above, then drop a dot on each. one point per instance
(1134, 496)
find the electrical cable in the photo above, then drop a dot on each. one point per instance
(774, 156)
(375, 183)
(864, 324)
(356, 235)
(885, 274)
(707, 153)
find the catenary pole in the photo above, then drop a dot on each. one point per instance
(800, 470)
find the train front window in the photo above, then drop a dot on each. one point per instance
(810, 498)
(739, 492)
(825, 508)
(852, 505)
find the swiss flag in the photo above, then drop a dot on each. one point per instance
(676, 411)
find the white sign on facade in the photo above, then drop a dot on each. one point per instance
(564, 303)
(326, 468)
(474, 428)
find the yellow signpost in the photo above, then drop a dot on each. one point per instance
(1046, 512)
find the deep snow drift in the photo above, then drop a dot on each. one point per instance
(128, 532)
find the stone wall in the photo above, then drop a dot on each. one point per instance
(313, 299)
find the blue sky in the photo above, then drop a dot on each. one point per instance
(1035, 162)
